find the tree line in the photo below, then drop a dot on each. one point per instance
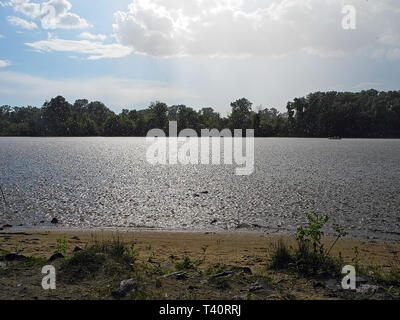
(367, 114)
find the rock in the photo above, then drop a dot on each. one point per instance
(214, 221)
(367, 289)
(196, 195)
(77, 249)
(332, 284)
(125, 287)
(1, 229)
(260, 285)
(56, 255)
(204, 192)
(240, 269)
(7, 226)
(3, 264)
(361, 279)
(54, 221)
(14, 257)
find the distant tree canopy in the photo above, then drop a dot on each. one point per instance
(369, 114)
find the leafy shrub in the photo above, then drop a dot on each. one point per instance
(186, 264)
(310, 256)
(62, 245)
(116, 250)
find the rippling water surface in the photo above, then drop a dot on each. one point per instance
(106, 182)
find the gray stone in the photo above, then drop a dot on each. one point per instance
(332, 284)
(361, 279)
(56, 255)
(125, 287)
(367, 289)
(260, 285)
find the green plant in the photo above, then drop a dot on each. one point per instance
(186, 264)
(340, 233)
(312, 233)
(356, 258)
(281, 257)
(116, 249)
(151, 258)
(310, 256)
(62, 245)
(203, 258)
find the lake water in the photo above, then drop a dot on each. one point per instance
(107, 182)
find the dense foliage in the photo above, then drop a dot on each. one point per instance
(364, 114)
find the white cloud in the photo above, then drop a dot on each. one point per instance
(31, 10)
(258, 27)
(1, 36)
(4, 63)
(53, 14)
(18, 22)
(90, 36)
(112, 91)
(94, 50)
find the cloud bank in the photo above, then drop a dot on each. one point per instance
(53, 14)
(165, 28)
(18, 22)
(94, 50)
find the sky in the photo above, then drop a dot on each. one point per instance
(202, 53)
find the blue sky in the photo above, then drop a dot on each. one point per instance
(128, 53)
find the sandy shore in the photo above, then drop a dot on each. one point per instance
(244, 249)
(160, 253)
